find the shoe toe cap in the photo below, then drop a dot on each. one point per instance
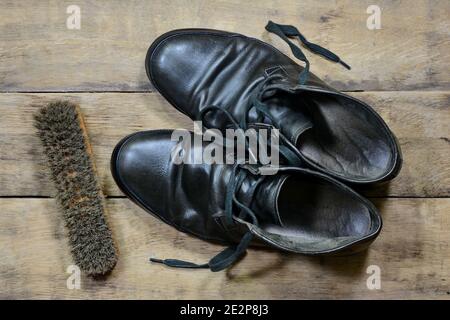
(140, 164)
(180, 63)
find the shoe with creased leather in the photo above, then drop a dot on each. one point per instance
(225, 79)
(297, 210)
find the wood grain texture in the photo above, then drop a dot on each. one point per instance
(403, 67)
(411, 51)
(111, 116)
(412, 252)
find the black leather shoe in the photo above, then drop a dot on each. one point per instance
(221, 78)
(295, 210)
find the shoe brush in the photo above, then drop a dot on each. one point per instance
(62, 131)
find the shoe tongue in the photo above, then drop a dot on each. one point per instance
(289, 110)
(265, 199)
(289, 113)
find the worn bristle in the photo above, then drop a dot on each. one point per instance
(63, 134)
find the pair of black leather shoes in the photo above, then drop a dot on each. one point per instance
(329, 139)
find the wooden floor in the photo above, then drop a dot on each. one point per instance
(402, 70)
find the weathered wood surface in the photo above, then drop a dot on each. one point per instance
(412, 252)
(404, 68)
(411, 51)
(420, 120)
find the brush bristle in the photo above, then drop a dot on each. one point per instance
(63, 135)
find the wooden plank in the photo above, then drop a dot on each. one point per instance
(420, 121)
(111, 116)
(411, 51)
(412, 252)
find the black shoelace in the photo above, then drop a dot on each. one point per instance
(231, 254)
(287, 31)
(255, 101)
(286, 149)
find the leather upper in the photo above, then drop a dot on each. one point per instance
(191, 197)
(194, 69)
(197, 68)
